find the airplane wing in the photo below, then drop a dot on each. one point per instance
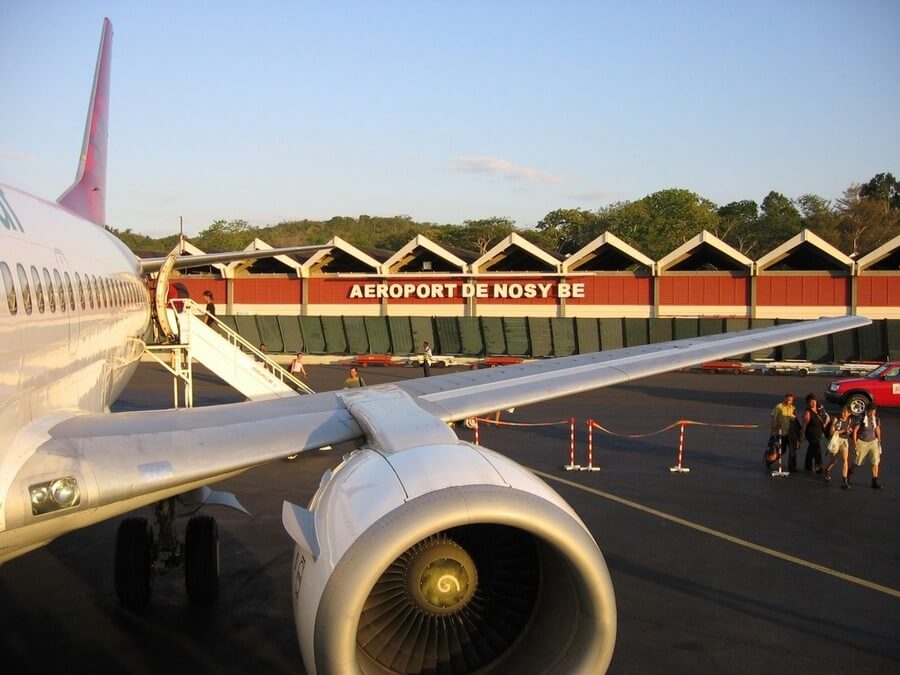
(149, 265)
(122, 461)
(461, 395)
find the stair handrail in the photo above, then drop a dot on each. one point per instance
(241, 343)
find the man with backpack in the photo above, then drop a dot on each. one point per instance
(867, 438)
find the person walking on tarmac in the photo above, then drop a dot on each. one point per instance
(780, 426)
(815, 420)
(426, 358)
(841, 431)
(867, 437)
(354, 380)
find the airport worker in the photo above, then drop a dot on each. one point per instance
(841, 431)
(867, 438)
(779, 428)
(426, 358)
(815, 421)
(210, 308)
(354, 380)
(296, 367)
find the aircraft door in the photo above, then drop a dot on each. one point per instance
(67, 294)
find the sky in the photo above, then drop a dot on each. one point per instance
(448, 111)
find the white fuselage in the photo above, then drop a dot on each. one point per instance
(66, 349)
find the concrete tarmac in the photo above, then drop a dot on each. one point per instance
(722, 569)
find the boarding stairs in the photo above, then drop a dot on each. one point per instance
(232, 358)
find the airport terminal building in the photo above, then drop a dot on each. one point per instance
(518, 298)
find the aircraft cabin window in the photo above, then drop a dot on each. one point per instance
(51, 298)
(69, 292)
(10, 288)
(96, 292)
(89, 291)
(58, 281)
(26, 289)
(80, 291)
(38, 289)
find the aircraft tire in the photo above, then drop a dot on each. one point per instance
(201, 560)
(134, 562)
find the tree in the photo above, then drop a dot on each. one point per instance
(567, 230)
(820, 216)
(660, 222)
(883, 187)
(865, 222)
(779, 221)
(231, 235)
(737, 225)
(477, 235)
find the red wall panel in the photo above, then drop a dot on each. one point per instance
(336, 291)
(802, 290)
(878, 291)
(619, 289)
(267, 290)
(704, 290)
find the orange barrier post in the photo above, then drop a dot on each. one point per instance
(590, 465)
(475, 429)
(679, 467)
(572, 466)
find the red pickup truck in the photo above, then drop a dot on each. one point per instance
(882, 386)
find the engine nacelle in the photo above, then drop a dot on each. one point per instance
(446, 558)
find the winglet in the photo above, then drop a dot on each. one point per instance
(87, 195)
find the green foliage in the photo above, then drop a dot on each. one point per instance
(866, 216)
(660, 222)
(882, 188)
(231, 235)
(567, 230)
(475, 235)
(737, 223)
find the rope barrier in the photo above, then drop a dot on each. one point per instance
(593, 424)
(681, 424)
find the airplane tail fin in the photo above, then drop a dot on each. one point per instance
(87, 195)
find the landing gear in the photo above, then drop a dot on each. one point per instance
(135, 556)
(141, 555)
(201, 560)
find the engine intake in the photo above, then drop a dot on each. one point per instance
(469, 578)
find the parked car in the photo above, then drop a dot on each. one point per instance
(882, 386)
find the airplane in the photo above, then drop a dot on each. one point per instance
(419, 552)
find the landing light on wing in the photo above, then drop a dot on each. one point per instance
(54, 495)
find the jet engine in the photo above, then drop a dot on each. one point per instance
(446, 558)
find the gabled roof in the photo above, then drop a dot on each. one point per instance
(188, 248)
(516, 254)
(702, 251)
(340, 248)
(886, 257)
(617, 253)
(408, 254)
(805, 251)
(259, 245)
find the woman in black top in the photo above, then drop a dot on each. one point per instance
(814, 421)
